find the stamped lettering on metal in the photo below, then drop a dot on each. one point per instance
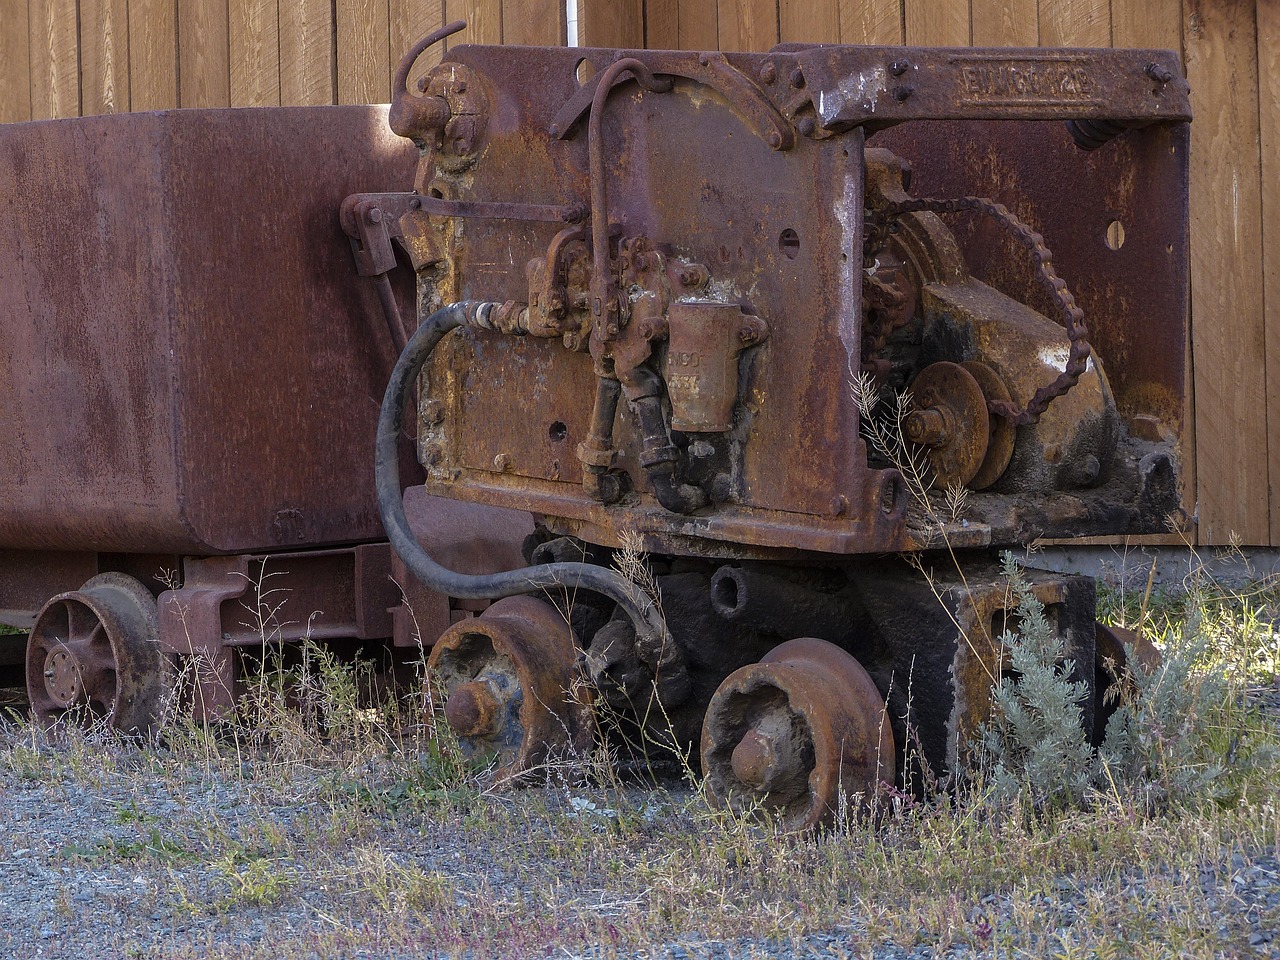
(999, 80)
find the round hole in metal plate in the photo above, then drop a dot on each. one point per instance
(584, 71)
(1115, 235)
(557, 431)
(789, 243)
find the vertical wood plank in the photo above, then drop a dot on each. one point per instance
(662, 24)
(363, 57)
(750, 25)
(937, 23)
(681, 25)
(1269, 114)
(484, 21)
(1075, 23)
(611, 23)
(104, 56)
(153, 54)
(411, 20)
(55, 59)
(1148, 23)
(306, 53)
(204, 54)
(809, 21)
(15, 62)
(871, 21)
(1227, 333)
(1009, 23)
(255, 52)
(699, 25)
(535, 23)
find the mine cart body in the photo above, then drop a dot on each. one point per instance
(191, 377)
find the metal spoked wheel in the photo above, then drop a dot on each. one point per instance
(802, 733)
(512, 688)
(93, 657)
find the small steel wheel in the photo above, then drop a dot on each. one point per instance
(802, 733)
(93, 657)
(512, 688)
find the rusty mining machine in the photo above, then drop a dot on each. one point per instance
(675, 301)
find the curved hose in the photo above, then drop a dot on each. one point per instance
(638, 606)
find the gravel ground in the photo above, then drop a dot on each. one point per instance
(112, 859)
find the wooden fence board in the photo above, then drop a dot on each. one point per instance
(533, 22)
(15, 62)
(809, 21)
(1226, 288)
(747, 24)
(871, 21)
(611, 23)
(363, 54)
(699, 25)
(104, 56)
(483, 17)
(54, 58)
(204, 54)
(153, 54)
(937, 23)
(1013, 23)
(255, 52)
(306, 53)
(1075, 23)
(1147, 23)
(1269, 138)
(662, 24)
(411, 20)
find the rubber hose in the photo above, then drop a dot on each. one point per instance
(639, 608)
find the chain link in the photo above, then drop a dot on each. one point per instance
(879, 227)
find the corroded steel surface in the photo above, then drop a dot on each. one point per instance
(188, 366)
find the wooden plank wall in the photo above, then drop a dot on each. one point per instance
(62, 58)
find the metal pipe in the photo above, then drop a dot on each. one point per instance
(595, 154)
(391, 311)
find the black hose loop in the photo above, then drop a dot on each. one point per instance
(638, 606)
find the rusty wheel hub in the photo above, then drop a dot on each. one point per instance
(512, 688)
(802, 733)
(62, 674)
(93, 656)
(950, 420)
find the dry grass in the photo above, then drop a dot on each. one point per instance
(316, 825)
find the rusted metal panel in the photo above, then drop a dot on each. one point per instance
(881, 85)
(188, 366)
(1116, 219)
